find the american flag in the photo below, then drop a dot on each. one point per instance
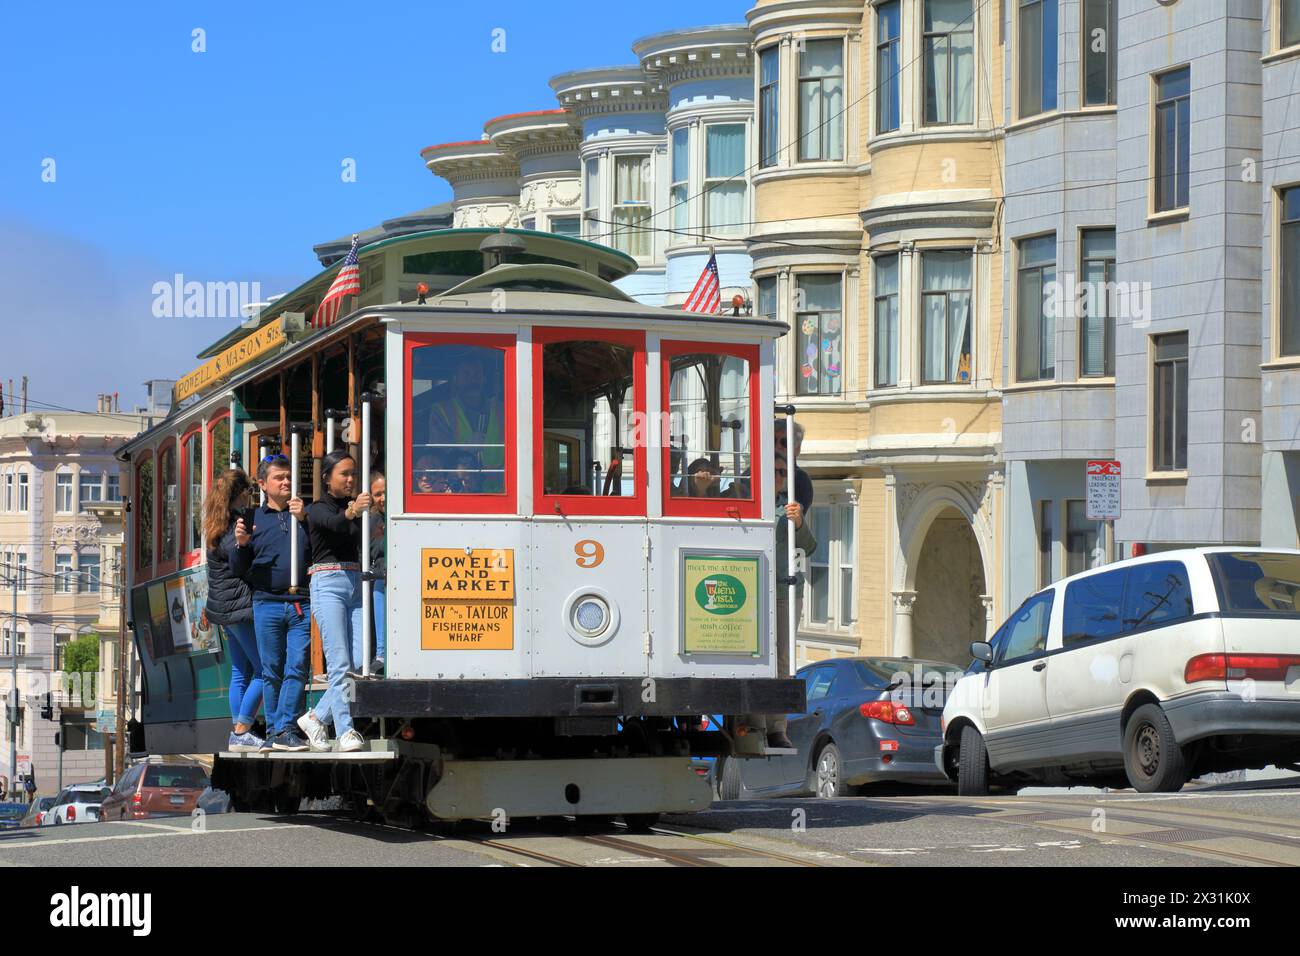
(707, 294)
(347, 282)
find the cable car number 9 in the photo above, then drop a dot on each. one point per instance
(590, 553)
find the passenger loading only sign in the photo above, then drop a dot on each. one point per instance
(468, 599)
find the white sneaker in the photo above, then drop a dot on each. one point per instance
(317, 737)
(351, 742)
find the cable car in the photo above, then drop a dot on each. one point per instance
(581, 534)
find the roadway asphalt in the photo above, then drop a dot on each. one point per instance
(1236, 824)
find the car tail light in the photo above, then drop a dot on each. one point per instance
(888, 712)
(137, 801)
(72, 814)
(1218, 667)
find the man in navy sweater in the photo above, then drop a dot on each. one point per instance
(281, 610)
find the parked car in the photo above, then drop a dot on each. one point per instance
(11, 815)
(78, 803)
(1142, 673)
(868, 720)
(155, 789)
(36, 811)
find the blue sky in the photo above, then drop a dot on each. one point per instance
(225, 165)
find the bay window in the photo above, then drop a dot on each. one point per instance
(946, 317)
(948, 47)
(831, 585)
(678, 187)
(1289, 264)
(1035, 320)
(1097, 315)
(886, 319)
(821, 100)
(769, 98)
(593, 229)
(819, 339)
(632, 184)
(1100, 23)
(1036, 59)
(887, 67)
(725, 188)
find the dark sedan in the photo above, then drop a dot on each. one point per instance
(869, 720)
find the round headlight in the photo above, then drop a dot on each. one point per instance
(591, 616)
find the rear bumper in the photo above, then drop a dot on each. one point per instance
(1219, 714)
(578, 697)
(913, 762)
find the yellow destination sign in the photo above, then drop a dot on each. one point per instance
(467, 626)
(467, 599)
(476, 574)
(251, 347)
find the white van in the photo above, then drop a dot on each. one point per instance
(1142, 673)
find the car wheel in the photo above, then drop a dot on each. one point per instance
(729, 780)
(972, 764)
(828, 774)
(1153, 760)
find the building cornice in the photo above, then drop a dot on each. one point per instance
(796, 15)
(538, 133)
(606, 90)
(704, 53)
(470, 161)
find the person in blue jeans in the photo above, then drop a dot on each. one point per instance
(378, 568)
(281, 612)
(334, 524)
(230, 604)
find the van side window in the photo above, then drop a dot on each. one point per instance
(1158, 593)
(1026, 630)
(1092, 607)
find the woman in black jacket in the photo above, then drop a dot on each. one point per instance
(230, 604)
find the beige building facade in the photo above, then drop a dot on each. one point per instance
(876, 238)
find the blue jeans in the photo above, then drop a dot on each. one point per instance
(284, 642)
(336, 603)
(379, 616)
(245, 671)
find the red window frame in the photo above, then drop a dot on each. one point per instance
(165, 564)
(683, 507)
(189, 556)
(593, 504)
(426, 503)
(213, 422)
(146, 458)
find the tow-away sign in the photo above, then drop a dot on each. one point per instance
(1103, 490)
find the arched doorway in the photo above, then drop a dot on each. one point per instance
(949, 583)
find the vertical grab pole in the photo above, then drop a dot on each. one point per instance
(366, 583)
(789, 538)
(293, 532)
(329, 432)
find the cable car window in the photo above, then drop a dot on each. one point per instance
(589, 404)
(709, 426)
(710, 452)
(458, 420)
(169, 510)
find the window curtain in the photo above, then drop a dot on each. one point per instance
(821, 103)
(887, 93)
(631, 178)
(949, 61)
(946, 288)
(769, 66)
(724, 157)
(886, 269)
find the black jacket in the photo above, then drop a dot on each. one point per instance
(335, 538)
(230, 600)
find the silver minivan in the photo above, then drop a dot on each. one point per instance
(1143, 673)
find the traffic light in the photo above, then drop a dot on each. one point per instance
(47, 712)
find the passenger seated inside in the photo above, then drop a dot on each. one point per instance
(709, 409)
(458, 419)
(703, 479)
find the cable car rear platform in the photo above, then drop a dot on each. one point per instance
(577, 697)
